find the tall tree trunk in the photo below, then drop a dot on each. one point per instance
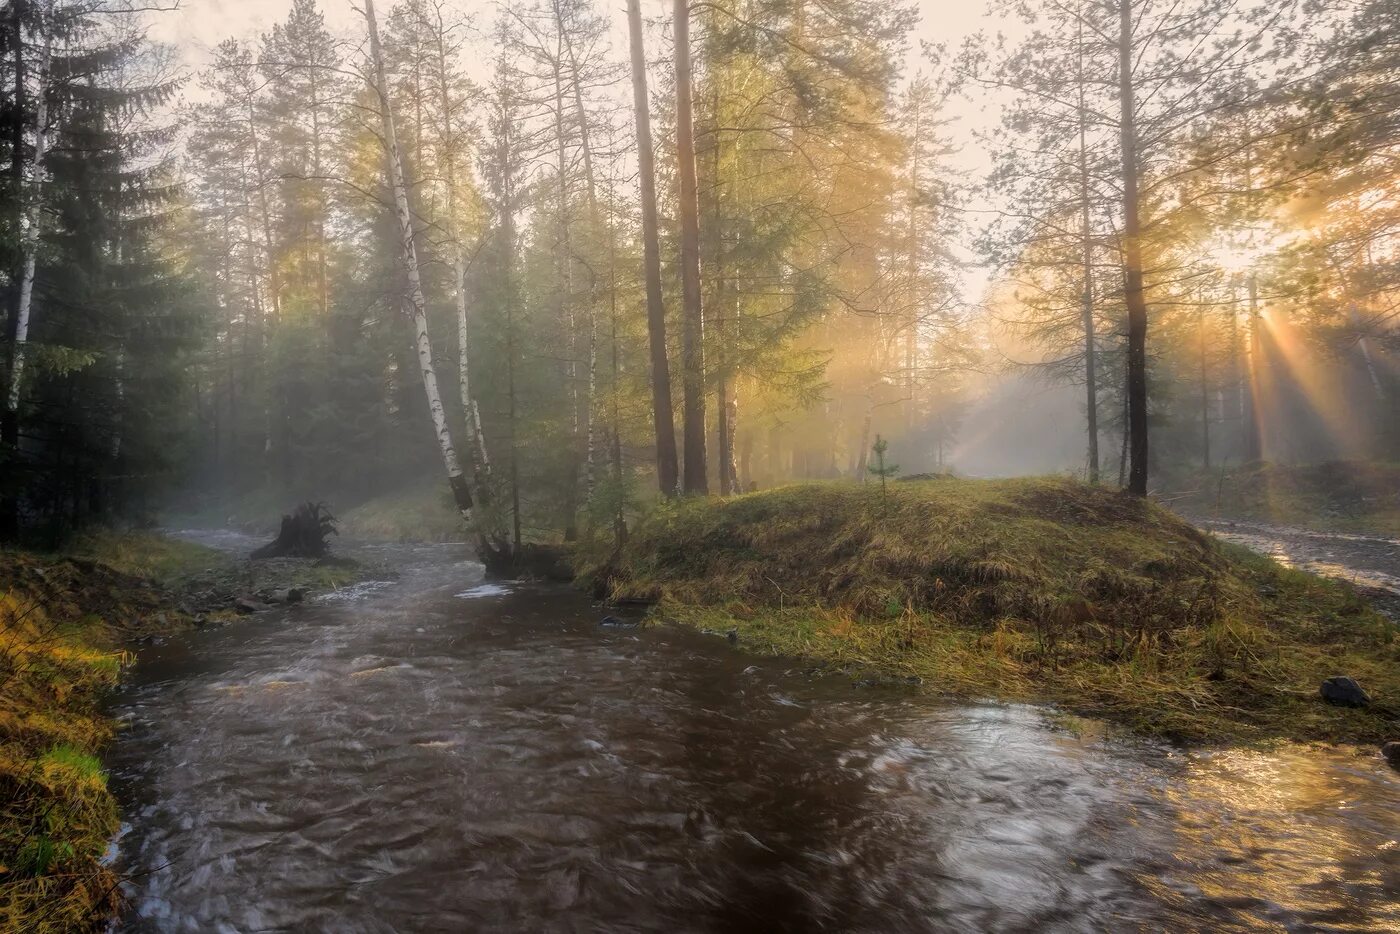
(1091, 379)
(1233, 401)
(471, 413)
(1253, 437)
(863, 458)
(724, 426)
(322, 286)
(615, 412)
(692, 322)
(417, 304)
(508, 237)
(667, 472)
(911, 272)
(1205, 386)
(586, 151)
(265, 212)
(33, 212)
(564, 262)
(1133, 290)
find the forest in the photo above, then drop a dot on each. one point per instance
(561, 264)
(710, 465)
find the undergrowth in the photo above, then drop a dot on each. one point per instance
(62, 622)
(1046, 590)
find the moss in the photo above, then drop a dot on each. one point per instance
(169, 561)
(62, 623)
(1037, 590)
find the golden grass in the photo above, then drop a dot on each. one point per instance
(62, 622)
(1038, 590)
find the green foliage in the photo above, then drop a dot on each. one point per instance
(881, 469)
(57, 360)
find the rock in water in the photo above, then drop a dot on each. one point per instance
(1344, 692)
(248, 605)
(289, 596)
(612, 622)
(1391, 751)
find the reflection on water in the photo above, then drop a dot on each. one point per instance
(413, 761)
(1297, 835)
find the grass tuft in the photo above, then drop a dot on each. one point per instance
(62, 623)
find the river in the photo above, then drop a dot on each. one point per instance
(441, 753)
(1371, 562)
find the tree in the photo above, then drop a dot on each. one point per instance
(692, 321)
(416, 304)
(667, 469)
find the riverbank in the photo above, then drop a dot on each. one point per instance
(1339, 496)
(65, 624)
(1040, 590)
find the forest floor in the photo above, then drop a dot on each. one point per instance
(66, 622)
(1339, 496)
(1043, 590)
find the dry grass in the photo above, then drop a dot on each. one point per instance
(1044, 590)
(62, 622)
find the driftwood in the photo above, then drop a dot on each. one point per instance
(303, 534)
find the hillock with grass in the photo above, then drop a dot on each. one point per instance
(1035, 590)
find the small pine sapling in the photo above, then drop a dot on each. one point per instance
(881, 469)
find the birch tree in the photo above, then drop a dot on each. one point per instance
(416, 303)
(33, 209)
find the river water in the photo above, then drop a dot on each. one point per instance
(441, 753)
(1372, 562)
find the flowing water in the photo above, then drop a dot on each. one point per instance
(1372, 562)
(442, 753)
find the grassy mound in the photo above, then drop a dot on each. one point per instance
(421, 512)
(62, 622)
(1044, 590)
(1351, 496)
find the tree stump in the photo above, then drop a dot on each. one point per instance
(303, 534)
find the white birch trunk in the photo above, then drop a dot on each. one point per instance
(460, 492)
(34, 210)
(470, 411)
